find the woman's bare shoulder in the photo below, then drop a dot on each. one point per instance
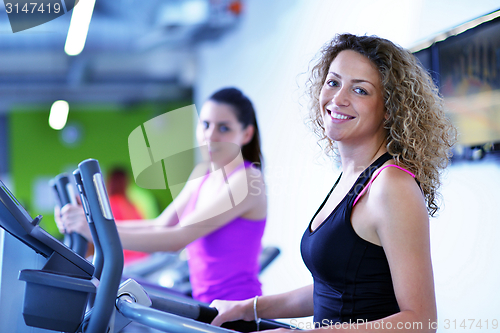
(396, 194)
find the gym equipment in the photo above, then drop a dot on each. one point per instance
(56, 296)
(65, 194)
(96, 205)
(65, 279)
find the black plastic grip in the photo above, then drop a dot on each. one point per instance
(62, 182)
(207, 314)
(62, 185)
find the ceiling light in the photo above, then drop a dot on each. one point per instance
(79, 27)
(58, 114)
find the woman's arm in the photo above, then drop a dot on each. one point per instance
(198, 223)
(403, 230)
(73, 219)
(169, 216)
(292, 304)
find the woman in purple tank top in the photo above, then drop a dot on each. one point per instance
(219, 215)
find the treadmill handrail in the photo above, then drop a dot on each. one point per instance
(204, 313)
(163, 321)
(110, 244)
(98, 259)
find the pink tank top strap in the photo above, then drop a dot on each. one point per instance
(375, 176)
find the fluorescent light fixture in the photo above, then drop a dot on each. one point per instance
(58, 114)
(79, 27)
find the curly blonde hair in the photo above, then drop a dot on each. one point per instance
(419, 135)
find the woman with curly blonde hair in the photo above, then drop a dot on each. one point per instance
(419, 135)
(367, 246)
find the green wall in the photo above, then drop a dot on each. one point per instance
(37, 151)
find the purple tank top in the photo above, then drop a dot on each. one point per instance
(224, 264)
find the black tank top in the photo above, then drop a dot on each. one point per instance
(352, 279)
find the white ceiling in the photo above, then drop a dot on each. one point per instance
(135, 51)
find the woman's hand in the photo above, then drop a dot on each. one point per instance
(232, 310)
(73, 220)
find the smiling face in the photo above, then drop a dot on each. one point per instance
(351, 100)
(221, 131)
